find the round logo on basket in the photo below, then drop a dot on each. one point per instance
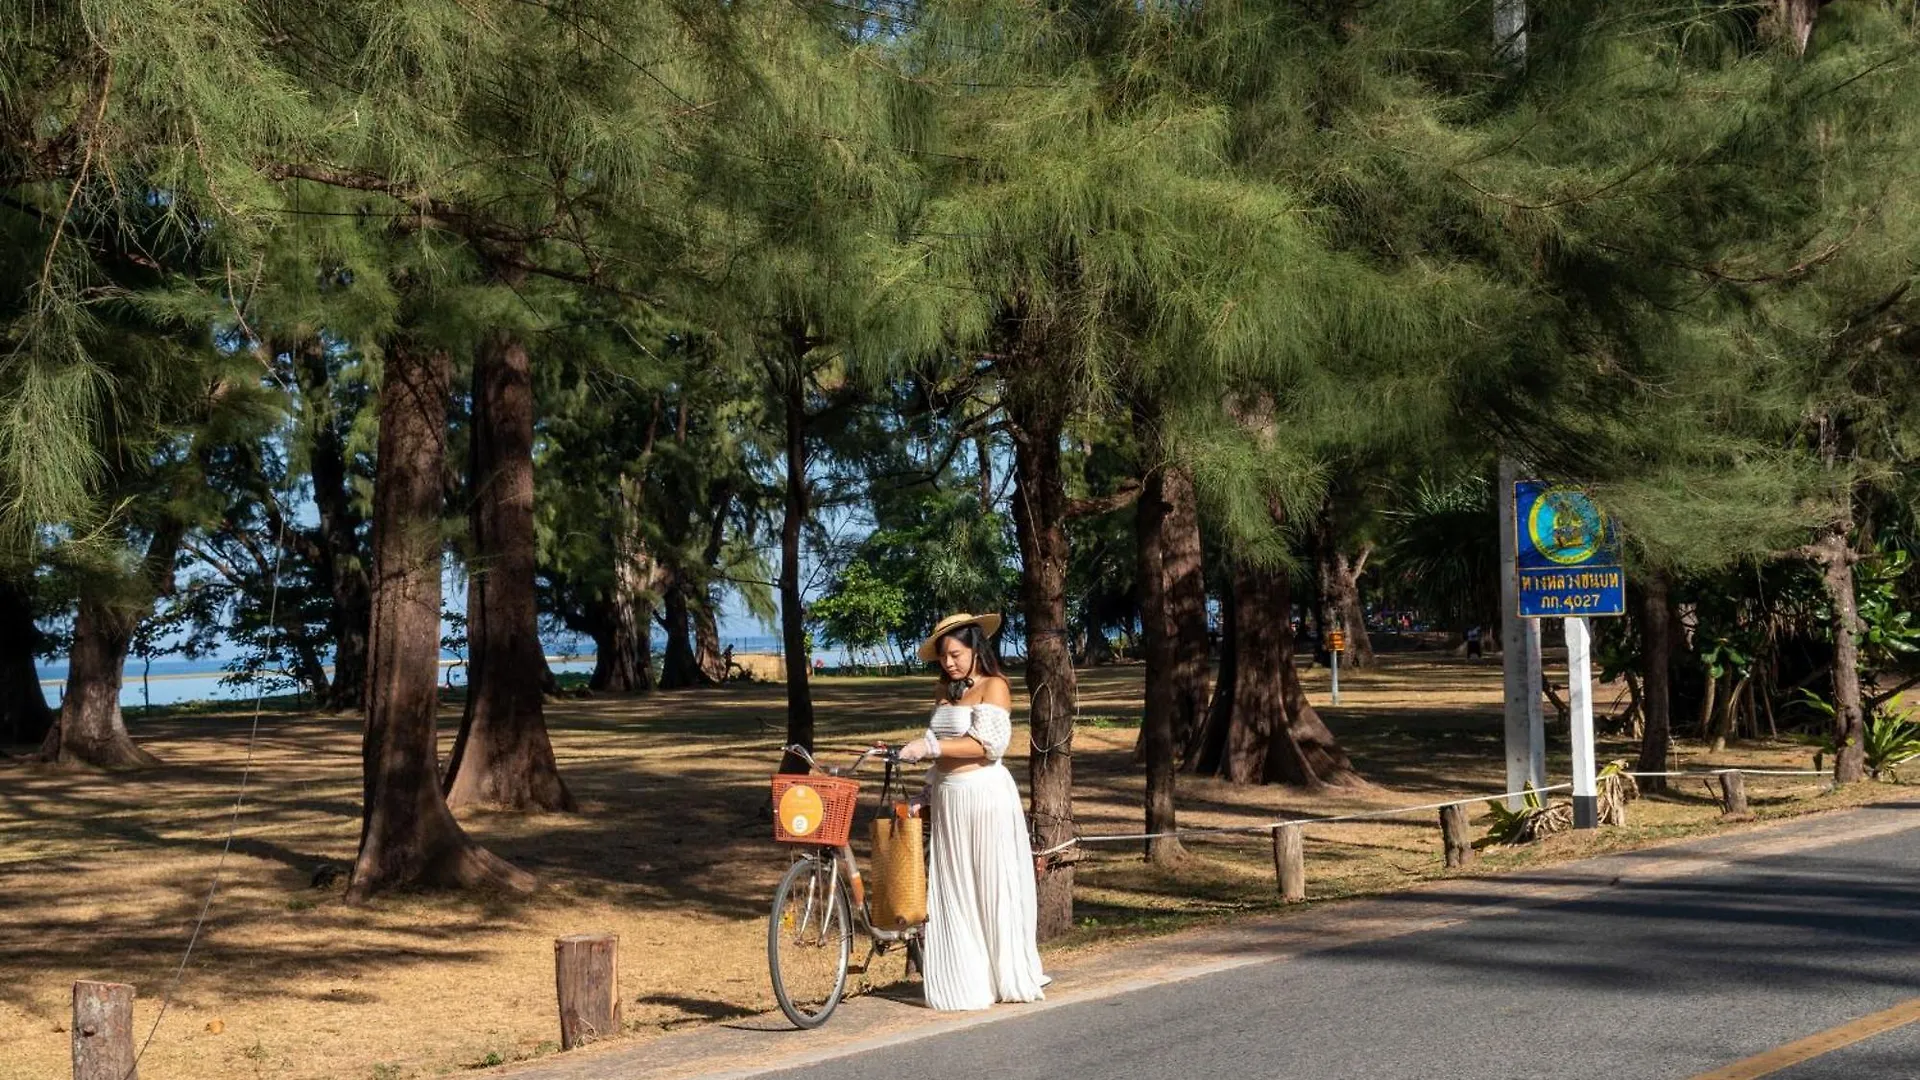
(800, 810)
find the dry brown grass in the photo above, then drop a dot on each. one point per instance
(101, 876)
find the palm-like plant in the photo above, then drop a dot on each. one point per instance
(1439, 552)
(1535, 819)
(1893, 738)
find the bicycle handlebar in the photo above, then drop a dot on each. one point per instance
(890, 753)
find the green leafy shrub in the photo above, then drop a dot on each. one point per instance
(1534, 819)
(1893, 739)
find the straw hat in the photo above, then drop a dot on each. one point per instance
(988, 624)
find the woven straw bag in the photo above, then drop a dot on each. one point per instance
(899, 893)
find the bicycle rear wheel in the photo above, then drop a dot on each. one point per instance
(810, 940)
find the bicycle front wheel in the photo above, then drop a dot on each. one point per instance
(809, 941)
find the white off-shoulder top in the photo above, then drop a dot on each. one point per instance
(990, 725)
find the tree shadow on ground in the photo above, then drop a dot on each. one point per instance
(106, 873)
(698, 1008)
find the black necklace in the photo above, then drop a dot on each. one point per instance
(958, 688)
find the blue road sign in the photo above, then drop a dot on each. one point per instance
(1569, 554)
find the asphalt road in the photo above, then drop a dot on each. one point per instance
(1670, 978)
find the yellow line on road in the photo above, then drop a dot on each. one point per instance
(1825, 1042)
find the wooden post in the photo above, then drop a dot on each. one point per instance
(1290, 863)
(1456, 836)
(1733, 793)
(586, 971)
(103, 1031)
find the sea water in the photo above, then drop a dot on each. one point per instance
(174, 681)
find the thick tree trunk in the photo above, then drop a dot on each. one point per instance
(1656, 680)
(1157, 638)
(90, 729)
(620, 661)
(1040, 518)
(310, 669)
(1835, 558)
(680, 668)
(1099, 650)
(342, 558)
(1350, 614)
(1186, 586)
(25, 716)
(1263, 730)
(793, 615)
(407, 834)
(1258, 707)
(348, 685)
(706, 645)
(1305, 753)
(706, 624)
(623, 622)
(1326, 606)
(503, 756)
(1729, 712)
(1707, 702)
(1337, 595)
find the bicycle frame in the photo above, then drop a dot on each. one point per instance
(847, 863)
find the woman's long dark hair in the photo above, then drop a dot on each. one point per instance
(970, 635)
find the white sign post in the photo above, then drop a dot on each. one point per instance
(1519, 661)
(1334, 658)
(1536, 683)
(1569, 568)
(1586, 802)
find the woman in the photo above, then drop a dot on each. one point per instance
(980, 892)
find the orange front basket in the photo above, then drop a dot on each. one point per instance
(813, 809)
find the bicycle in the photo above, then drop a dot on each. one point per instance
(821, 903)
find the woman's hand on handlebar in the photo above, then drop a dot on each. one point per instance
(920, 749)
(908, 752)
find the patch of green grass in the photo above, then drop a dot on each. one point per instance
(1103, 720)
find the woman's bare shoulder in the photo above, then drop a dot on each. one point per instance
(996, 690)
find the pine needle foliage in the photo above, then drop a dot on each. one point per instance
(1097, 179)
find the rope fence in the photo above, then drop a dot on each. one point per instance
(1744, 772)
(1388, 812)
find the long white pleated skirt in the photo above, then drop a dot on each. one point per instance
(980, 893)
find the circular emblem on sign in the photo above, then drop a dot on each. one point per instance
(1566, 527)
(800, 810)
